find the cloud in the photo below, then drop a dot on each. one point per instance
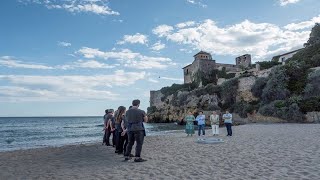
(99, 7)
(128, 58)
(185, 50)
(303, 25)
(133, 39)
(197, 2)
(10, 62)
(92, 64)
(153, 80)
(286, 2)
(162, 30)
(172, 79)
(158, 46)
(262, 40)
(65, 88)
(185, 24)
(64, 44)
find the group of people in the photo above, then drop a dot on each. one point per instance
(201, 122)
(126, 128)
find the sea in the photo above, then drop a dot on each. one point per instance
(36, 132)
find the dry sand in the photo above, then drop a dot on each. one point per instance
(275, 151)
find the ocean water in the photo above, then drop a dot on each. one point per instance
(35, 132)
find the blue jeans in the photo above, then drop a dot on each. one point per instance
(201, 127)
(133, 136)
(229, 130)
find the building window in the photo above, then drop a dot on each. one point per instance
(187, 71)
(283, 59)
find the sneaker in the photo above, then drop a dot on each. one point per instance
(131, 155)
(139, 160)
(127, 158)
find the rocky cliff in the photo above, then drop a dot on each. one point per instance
(175, 106)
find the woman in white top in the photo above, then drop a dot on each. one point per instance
(214, 119)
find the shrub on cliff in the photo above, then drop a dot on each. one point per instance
(313, 86)
(314, 36)
(258, 86)
(276, 87)
(167, 91)
(273, 109)
(223, 73)
(283, 109)
(243, 108)
(151, 109)
(229, 92)
(212, 89)
(267, 64)
(294, 114)
(297, 73)
(205, 78)
(310, 104)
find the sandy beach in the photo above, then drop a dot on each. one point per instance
(256, 151)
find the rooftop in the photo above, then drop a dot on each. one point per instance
(202, 52)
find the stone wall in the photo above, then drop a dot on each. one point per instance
(229, 67)
(244, 89)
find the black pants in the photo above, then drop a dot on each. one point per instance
(133, 136)
(121, 142)
(229, 130)
(125, 137)
(104, 141)
(109, 132)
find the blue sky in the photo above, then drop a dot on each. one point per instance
(74, 57)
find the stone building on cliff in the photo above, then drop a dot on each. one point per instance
(204, 63)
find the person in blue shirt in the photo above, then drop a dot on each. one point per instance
(201, 119)
(227, 117)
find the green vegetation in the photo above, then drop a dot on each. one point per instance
(223, 73)
(258, 86)
(276, 87)
(151, 109)
(166, 91)
(243, 108)
(229, 92)
(201, 77)
(292, 89)
(268, 64)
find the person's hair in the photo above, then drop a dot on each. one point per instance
(110, 110)
(201, 112)
(135, 102)
(130, 107)
(106, 111)
(121, 110)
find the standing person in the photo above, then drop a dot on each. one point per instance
(214, 119)
(201, 119)
(227, 117)
(110, 128)
(136, 132)
(105, 127)
(120, 115)
(124, 133)
(189, 119)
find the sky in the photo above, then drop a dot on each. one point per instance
(80, 57)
